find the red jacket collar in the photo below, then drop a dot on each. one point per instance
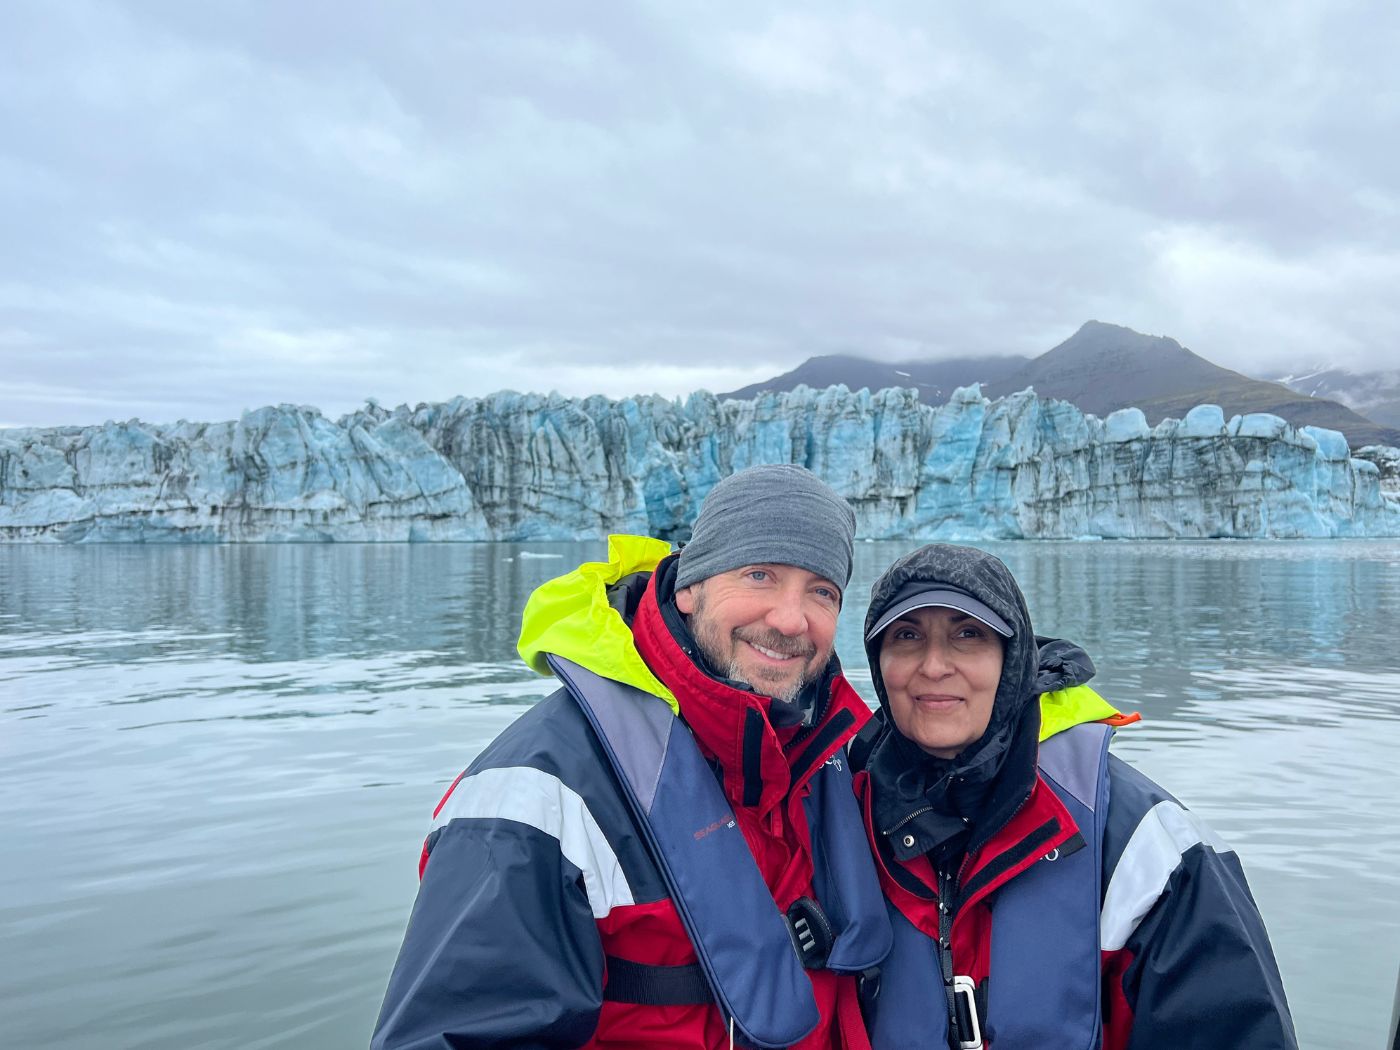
(1041, 825)
(759, 765)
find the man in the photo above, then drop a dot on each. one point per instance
(666, 851)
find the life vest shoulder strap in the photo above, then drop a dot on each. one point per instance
(741, 940)
(858, 750)
(751, 956)
(1044, 966)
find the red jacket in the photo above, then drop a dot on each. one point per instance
(775, 829)
(912, 885)
(1191, 968)
(514, 920)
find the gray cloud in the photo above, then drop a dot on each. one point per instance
(211, 207)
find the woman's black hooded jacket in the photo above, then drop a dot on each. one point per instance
(951, 806)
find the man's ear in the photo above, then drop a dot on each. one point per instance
(685, 599)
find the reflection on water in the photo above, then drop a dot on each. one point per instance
(275, 603)
(216, 762)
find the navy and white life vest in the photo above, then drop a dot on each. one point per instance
(744, 943)
(1044, 971)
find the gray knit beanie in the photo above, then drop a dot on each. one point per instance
(779, 514)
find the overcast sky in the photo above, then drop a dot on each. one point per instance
(207, 207)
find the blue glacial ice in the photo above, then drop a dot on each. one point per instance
(545, 467)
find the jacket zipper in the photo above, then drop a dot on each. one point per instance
(817, 717)
(906, 820)
(962, 868)
(946, 914)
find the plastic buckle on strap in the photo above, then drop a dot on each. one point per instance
(811, 932)
(965, 987)
(868, 987)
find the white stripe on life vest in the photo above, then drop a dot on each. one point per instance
(543, 801)
(1153, 852)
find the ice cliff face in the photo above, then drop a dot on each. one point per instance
(513, 466)
(1387, 462)
(277, 474)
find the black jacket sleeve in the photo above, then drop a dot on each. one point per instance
(1188, 965)
(1203, 974)
(501, 950)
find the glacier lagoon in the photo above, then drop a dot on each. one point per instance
(219, 760)
(545, 467)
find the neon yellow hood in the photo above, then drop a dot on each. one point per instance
(1076, 704)
(570, 617)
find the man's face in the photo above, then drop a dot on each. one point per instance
(771, 626)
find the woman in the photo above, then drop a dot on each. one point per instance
(1044, 895)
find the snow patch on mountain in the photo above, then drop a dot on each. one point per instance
(1375, 395)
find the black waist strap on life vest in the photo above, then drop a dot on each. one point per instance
(645, 984)
(649, 984)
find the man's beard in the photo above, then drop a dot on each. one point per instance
(785, 689)
(779, 643)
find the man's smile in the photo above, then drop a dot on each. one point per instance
(772, 654)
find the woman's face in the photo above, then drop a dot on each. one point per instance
(941, 669)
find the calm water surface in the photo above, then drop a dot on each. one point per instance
(216, 763)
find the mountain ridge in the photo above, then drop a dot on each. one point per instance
(1099, 369)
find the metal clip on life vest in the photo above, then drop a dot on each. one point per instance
(969, 1024)
(811, 932)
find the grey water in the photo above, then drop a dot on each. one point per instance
(217, 763)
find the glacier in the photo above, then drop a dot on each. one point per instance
(511, 466)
